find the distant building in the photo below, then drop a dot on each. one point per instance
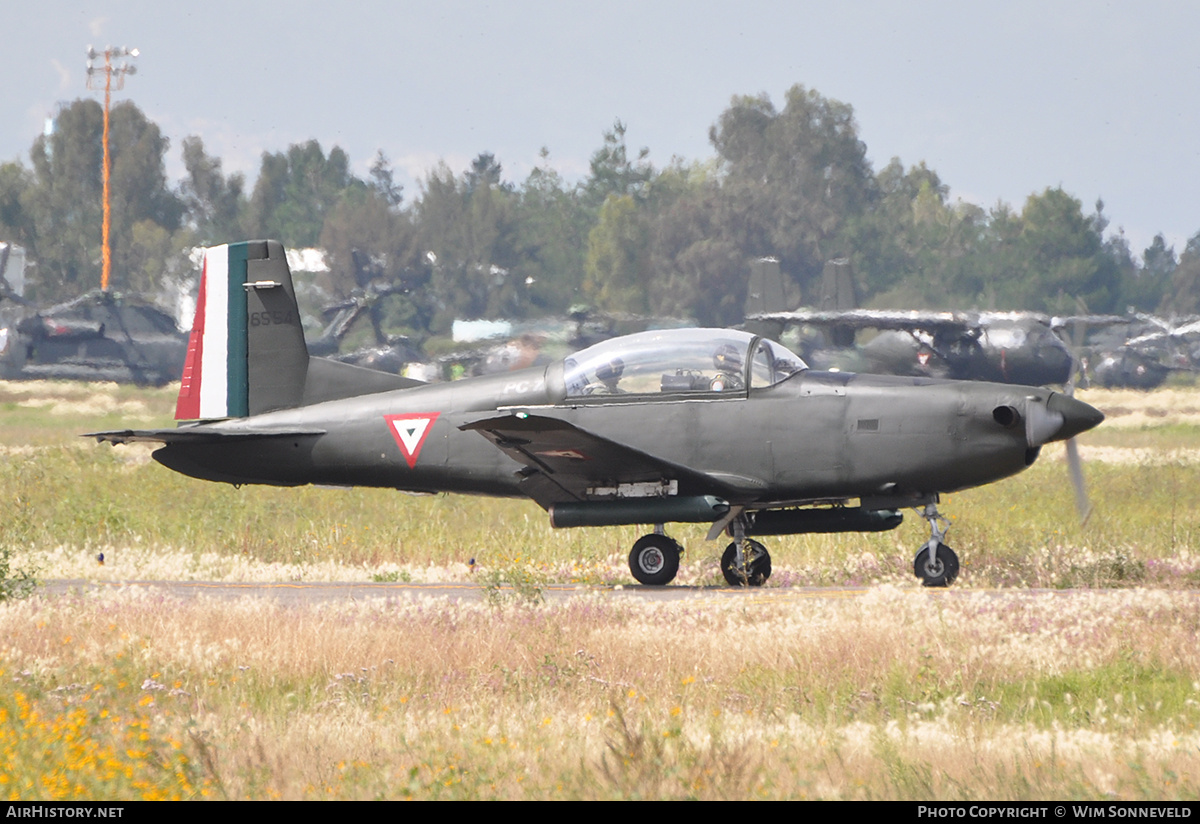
(12, 269)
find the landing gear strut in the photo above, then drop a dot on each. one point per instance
(745, 562)
(654, 559)
(936, 564)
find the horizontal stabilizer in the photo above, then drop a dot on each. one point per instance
(200, 434)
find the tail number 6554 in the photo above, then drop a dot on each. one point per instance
(276, 318)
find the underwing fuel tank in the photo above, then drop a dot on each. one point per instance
(698, 509)
(842, 519)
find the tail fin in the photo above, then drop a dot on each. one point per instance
(246, 354)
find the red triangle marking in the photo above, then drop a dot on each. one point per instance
(410, 432)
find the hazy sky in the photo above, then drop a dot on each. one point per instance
(1100, 98)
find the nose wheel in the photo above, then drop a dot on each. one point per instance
(938, 571)
(654, 559)
(936, 564)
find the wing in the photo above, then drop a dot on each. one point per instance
(565, 463)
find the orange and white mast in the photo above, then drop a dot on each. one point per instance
(114, 78)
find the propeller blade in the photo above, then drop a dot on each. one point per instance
(1074, 463)
(1075, 467)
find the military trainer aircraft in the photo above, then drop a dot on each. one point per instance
(708, 426)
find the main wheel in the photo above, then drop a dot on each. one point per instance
(940, 573)
(654, 559)
(758, 565)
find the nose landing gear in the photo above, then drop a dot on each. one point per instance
(936, 564)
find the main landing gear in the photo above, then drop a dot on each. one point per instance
(936, 564)
(654, 559)
(745, 562)
(752, 569)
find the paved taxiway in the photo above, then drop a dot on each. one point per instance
(306, 593)
(315, 592)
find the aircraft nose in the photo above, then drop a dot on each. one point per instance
(1077, 416)
(1057, 418)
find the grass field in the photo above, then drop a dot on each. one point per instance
(987, 691)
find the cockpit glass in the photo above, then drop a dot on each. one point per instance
(675, 361)
(784, 363)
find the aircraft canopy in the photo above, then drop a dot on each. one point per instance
(673, 361)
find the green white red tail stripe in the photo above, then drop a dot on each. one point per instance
(214, 381)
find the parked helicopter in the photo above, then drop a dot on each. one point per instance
(1003, 347)
(99, 336)
(1144, 352)
(708, 426)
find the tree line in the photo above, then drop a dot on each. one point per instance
(793, 183)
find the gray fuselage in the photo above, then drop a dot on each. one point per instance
(814, 436)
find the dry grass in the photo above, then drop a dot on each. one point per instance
(47, 412)
(1131, 409)
(893, 694)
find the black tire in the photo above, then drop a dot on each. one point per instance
(654, 560)
(944, 570)
(758, 565)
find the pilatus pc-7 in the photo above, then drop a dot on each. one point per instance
(711, 426)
